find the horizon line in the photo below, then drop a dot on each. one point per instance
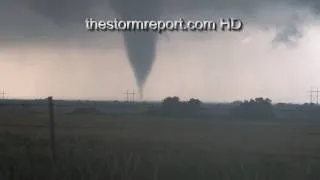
(141, 101)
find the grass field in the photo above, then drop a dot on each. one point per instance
(102, 146)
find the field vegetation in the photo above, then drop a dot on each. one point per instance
(161, 144)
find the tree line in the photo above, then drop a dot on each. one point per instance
(252, 109)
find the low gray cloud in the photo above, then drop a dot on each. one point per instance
(291, 31)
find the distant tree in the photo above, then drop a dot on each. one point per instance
(194, 102)
(173, 106)
(258, 108)
(171, 101)
(194, 105)
(236, 102)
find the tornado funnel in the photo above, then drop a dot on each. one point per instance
(140, 44)
(141, 50)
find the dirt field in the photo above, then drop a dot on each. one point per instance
(166, 148)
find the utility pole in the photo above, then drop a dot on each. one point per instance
(127, 96)
(3, 93)
(130, 93)
(133, 93)
(311, 95)
(316, 95)
(52, 129)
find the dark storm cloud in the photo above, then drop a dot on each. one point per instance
(63, 20)
(42, 19)
(53, 19)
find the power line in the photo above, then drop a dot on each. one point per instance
(130, 94)
(314, 94)
(3, 93)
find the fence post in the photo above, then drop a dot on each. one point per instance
(52, 128)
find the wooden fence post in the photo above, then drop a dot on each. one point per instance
(52, 128)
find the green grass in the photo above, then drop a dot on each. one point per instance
(23, 158)
(141, 147)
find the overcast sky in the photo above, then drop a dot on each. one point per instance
(46, 50)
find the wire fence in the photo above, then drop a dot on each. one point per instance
(49, 115)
